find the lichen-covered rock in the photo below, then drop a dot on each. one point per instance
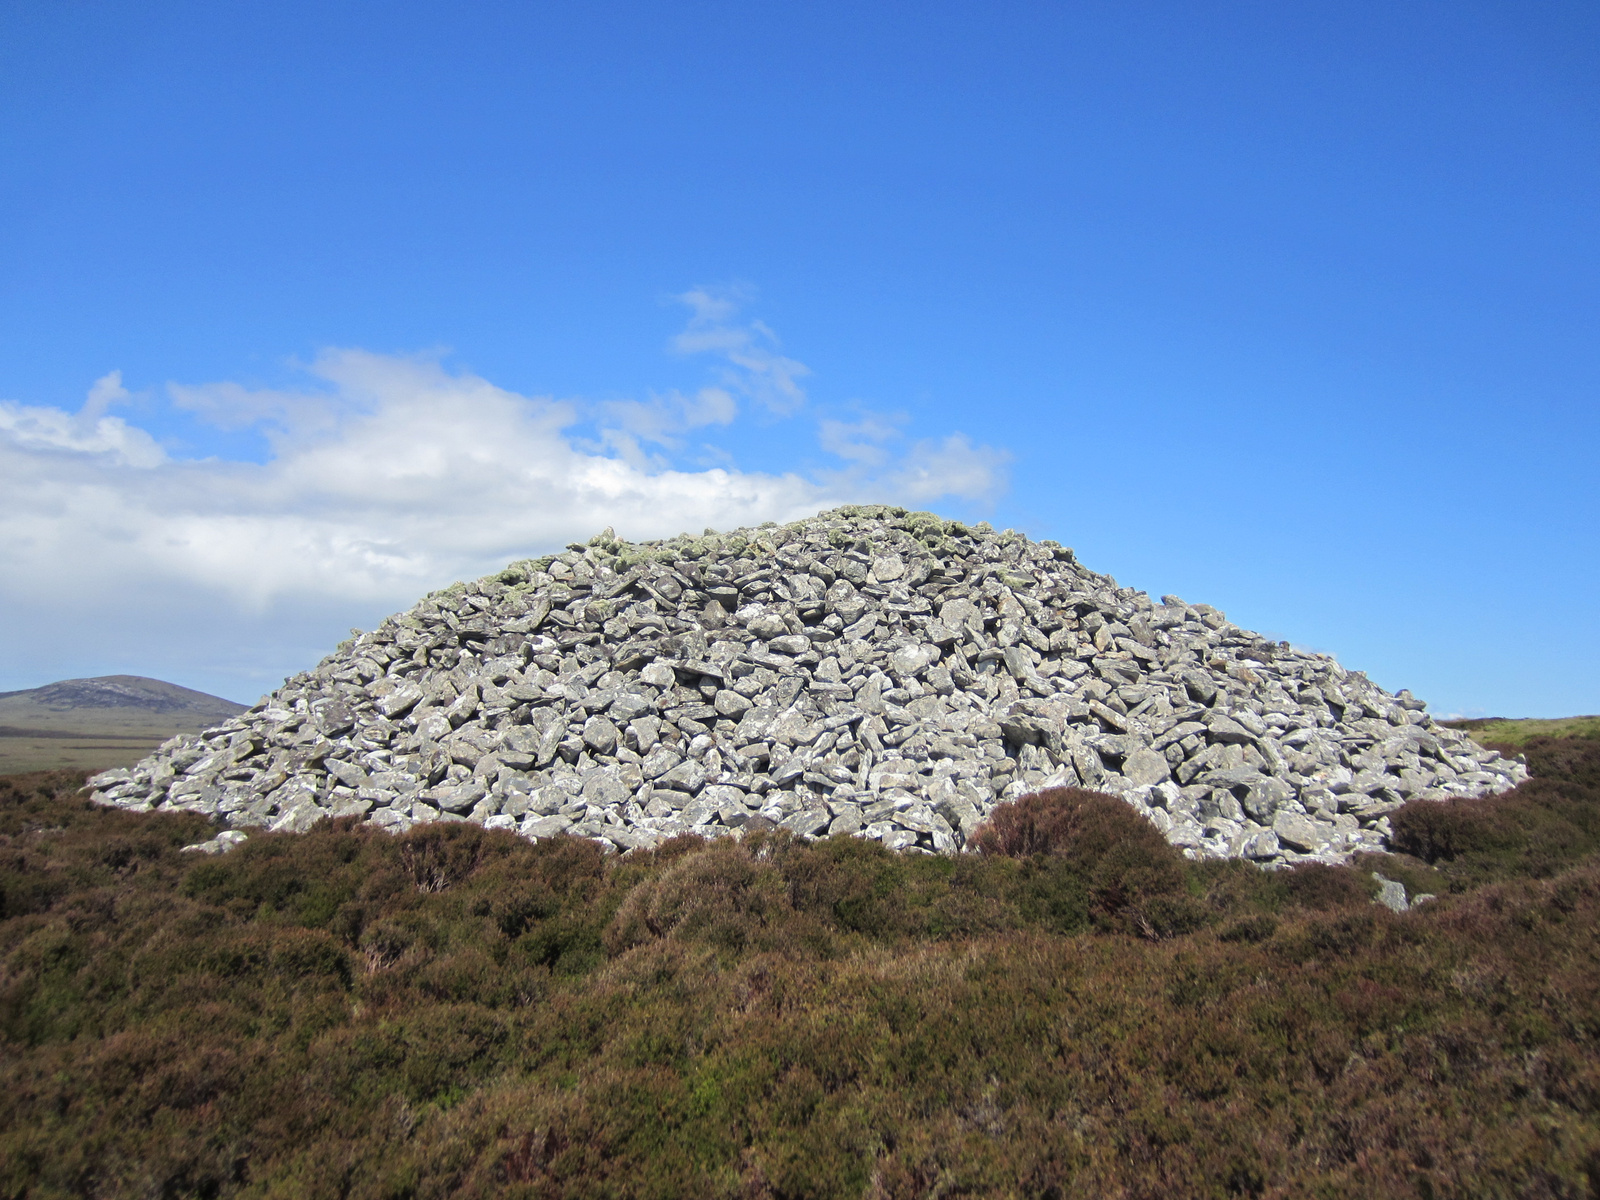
(869, 672)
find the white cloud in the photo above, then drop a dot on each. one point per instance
(414, 476)
(279, 415)
(48, 432)
(387, 476)
(951, 466)
(103, 393)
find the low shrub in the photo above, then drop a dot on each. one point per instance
(1545, 826)
(1320, 886)
(1130, 876)
(721, 894)
(1066, 823)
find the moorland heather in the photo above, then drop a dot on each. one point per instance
(1074, 1009)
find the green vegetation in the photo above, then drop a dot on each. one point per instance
(1077, 1011)
(25, 750)
(1502, 732)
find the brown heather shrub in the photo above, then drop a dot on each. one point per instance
(721, 894)
(850, 882)
(1545, 826)
(440, 856)
(457, 1013)
(1319, 886)
(857, 889)
(1067, 822)
(1449, 829)
(1133, 877)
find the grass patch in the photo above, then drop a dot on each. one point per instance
(1504, 731)
(1077, 1011)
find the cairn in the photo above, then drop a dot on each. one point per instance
(869, 672)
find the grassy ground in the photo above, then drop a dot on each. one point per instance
(1075, 1012)
(25, 750)
(1508, 732)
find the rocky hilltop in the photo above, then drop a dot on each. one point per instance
(870, 672)
(126, 696)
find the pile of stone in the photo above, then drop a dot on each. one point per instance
(869, 672)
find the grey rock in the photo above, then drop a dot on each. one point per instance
(1301, 833)
(347, 773)
(1226, 730)
(628, 837)
(887, 568)
(657, 675)
(601, 735)
(961, 613)
(551, 730)
(456, 798)
(1261, 846)
(731, 704)
(723, 795)
(350, 806)
(766, 625)
(299, 819)
(463, 708)
(659, 761)
(913, 659)
(845, 823)
(389, 819)
(1391, 894)
(688, 776)
(919, 818)
(544, 827)
(1146, 767)
(603, 787)
(400, 701)
(433, 725)
(468, 746)
(627, 707)
(1266, 796)
(230, 839)
(807, 822)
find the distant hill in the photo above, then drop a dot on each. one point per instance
(111, 720)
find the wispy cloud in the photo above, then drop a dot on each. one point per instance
(864, 441)
(628, 426)
(753, 367)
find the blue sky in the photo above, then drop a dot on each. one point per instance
(1290, 309)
